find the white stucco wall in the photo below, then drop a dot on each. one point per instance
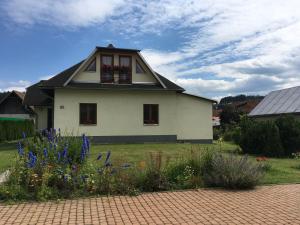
(194, 117)
(121, 113)
(118, 112)
(41, 117)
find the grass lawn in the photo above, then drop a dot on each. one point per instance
(282, 170)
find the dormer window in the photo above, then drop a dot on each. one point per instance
(107, 69)
(91, 67)
(139, 68)
(125, 70)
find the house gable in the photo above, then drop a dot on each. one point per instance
(82, 75)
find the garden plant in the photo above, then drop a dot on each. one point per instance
(52, 166)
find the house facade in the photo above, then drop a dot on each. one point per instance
(115, 96)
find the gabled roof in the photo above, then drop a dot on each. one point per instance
(60, 79)
(200, 97)
(285, 101)
(36, 97)
(5, 95)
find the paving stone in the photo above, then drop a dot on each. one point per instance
(279, 204)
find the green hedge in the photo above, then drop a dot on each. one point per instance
(13, 129)
(277, 138)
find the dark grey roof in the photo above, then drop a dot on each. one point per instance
(61, 78)
(113, 49)
(36, 97)
(200, 97)
(169, 84)
(285, 101)
(3, 96)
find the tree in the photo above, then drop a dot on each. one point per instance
(229, 116)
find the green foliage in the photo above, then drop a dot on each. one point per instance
(60, 170)
(289, 130)
(229, 116)
(270, 138)
(232, 134)
(233, 172)
(12, 130)
(217, 132)
(261, 138)
(188, 171)
(154, 178)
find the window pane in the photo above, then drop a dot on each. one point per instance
(151, 114)
(88, 113)
(154, 114)
(125, 70)
(125, 61)
(107, 72)
(139, 68)
(92, 66)
(107, 60)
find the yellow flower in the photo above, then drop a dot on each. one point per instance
(142, 164)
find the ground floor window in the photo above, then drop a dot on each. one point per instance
(151, 114)
(88, 113)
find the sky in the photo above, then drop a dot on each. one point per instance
(212, 48)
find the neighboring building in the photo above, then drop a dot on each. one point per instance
(216, 121)
(115, 96)
(247, 106)
(277, 103)
(11, 106)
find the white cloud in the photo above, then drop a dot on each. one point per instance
(20, 85)
(245, 46)
(61, 13)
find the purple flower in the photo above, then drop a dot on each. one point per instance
(20, 149)
(64, 153)
(32, 159)
(107, 160)
(23, 134)
(99, 156)
(126, 165)
(45, 152)
(74, 167)
(58, 156)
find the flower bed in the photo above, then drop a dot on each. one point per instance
(52, 166)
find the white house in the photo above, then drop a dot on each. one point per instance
(115, 96)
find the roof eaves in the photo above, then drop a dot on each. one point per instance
(81, 65)
(151, 70)
(203, 98)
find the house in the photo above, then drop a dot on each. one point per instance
(11, 106)
(277, 103)
(115, 96)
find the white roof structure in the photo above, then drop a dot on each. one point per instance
(285, 101)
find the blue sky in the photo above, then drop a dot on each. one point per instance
(212, 48)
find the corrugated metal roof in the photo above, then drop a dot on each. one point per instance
(279, 102)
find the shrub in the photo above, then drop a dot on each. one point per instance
(289, 130)
(233, 134)
(217, 132)
(233, 172)
(188, 170)
(154, 178)
(262, 138)
(12, 130)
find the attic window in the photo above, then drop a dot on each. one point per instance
(91, 67)
(139, 68)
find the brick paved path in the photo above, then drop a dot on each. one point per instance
(265, 205)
